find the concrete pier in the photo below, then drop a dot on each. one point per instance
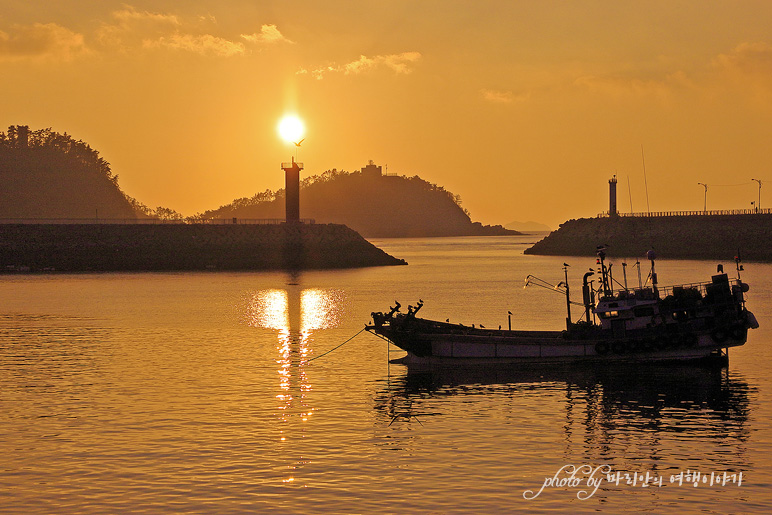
(139, 247)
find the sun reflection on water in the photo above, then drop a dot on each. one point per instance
(295, 314)
(269, 310)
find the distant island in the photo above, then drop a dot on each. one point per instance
(370, 202)
(47, 175)
(710, 236)
(527, 227)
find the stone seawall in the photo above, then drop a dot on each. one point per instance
(111, 247)
(717, 237)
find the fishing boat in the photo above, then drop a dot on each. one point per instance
(620, 324)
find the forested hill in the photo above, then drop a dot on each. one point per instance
(44, 174)
(373, 204)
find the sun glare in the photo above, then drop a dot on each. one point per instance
(291, 129)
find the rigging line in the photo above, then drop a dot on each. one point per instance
(620, 284)
(337, 347)
(727, 185)
(382, 337)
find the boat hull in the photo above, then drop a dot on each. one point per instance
(497, 347)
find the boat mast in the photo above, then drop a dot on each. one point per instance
(586, 295)
(603, 270)
(640, 281)
(651, 255)
(624, 273)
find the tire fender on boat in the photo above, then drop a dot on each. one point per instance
(751, 320)
(601, 348)
(619, 347)
(738, 333)
(719, 335)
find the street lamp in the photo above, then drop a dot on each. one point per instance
(758, 205)
(705, 200)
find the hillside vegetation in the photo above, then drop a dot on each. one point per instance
(373, 204)
(44, 174)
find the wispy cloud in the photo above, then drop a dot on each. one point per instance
(746, 72)
(204, 44)
(617, 86)
(399, 63)
(130, 29)
(268, 34)
(503, 97)
(41, 41)
(129, 14)
(747, 66)
(750, 58)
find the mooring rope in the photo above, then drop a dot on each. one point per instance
(337, 347)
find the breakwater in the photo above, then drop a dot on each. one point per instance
(715, 237)
(140, 247)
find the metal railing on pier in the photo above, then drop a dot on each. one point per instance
(724, 212)
(151, 221)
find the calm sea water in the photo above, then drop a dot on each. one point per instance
(194, 393)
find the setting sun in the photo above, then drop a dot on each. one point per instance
(291, 129)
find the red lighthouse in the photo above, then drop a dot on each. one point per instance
(292, 191)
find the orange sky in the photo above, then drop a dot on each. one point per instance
(523, 108)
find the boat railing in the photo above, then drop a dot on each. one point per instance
(703, 289)
(677, 290)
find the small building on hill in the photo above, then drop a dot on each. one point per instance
(372, 171)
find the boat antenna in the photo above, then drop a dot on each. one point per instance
(624, 273)
(638, 264)
(630, 194)
(651, 255)
(645, 182)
